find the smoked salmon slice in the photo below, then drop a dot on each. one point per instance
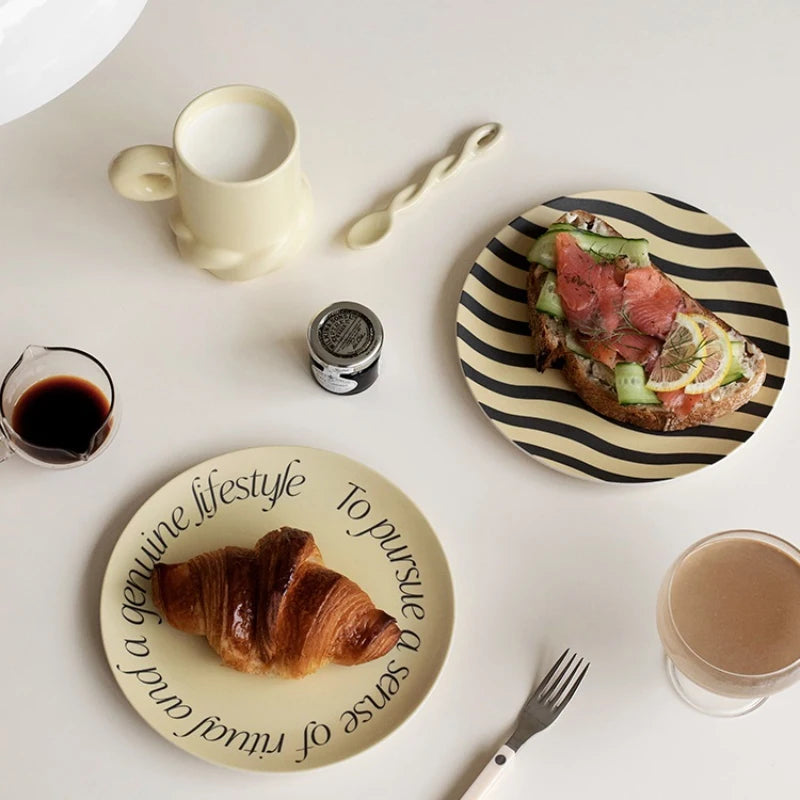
(590, 294)
(651, 301)
(680, 403)
(637, 347)
(600, 351)
(624, 313)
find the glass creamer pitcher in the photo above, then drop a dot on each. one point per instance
(58, 407)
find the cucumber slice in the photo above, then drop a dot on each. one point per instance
(736, 370)
(630, 381)
(549, 302)
(573, 345)
(544, 250)
(602, 248)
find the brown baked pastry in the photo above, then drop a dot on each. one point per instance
(273, 608)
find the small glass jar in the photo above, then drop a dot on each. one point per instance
(344, 342)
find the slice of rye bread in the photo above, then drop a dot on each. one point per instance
(594, 382)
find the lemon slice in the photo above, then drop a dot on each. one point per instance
(717, 359)
(681, 357)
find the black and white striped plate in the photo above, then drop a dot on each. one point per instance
(540, 413)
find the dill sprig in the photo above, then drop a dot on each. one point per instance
(700, 353)
(598, 333)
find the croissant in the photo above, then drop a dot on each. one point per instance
(273, 608)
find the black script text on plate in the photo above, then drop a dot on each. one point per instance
(63, 412)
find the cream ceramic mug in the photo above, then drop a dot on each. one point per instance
(243, 204)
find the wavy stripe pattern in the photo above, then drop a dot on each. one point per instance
(656, 227)
(541, 414)
(712, 274)
(677, 203)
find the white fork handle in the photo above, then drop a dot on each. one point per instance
(482, 785)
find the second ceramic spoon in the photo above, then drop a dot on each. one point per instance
(374, 227)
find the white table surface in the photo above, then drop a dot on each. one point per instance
(698, 103)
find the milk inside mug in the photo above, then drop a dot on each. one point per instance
(235, 142)
(244, 206)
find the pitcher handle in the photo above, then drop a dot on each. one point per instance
(5, 450)
(145, 172)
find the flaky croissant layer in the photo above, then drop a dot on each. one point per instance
(273, 608)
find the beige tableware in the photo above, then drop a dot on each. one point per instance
(244, 206)
(376, 225)
(365, 528)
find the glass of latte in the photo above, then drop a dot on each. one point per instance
(729, 619)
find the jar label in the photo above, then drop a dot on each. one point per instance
(332, 379)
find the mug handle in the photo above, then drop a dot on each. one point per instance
(145, 172)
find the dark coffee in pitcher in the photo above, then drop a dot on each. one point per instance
(63, 414)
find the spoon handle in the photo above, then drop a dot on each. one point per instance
(480, 140)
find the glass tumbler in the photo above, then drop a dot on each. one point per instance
(728, 616)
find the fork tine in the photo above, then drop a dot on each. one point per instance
(549, 674)
(560, 707)
(547, 694)
(553, 700)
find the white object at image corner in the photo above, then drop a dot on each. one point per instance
(47, 46)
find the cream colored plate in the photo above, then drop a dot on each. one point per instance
(365, 527)
(540, 413)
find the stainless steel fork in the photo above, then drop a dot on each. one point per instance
(540, 710)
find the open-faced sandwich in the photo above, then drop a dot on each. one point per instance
(631, 342)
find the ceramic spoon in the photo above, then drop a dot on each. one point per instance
(375, 226)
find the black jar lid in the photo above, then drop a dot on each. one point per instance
(346, 334)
